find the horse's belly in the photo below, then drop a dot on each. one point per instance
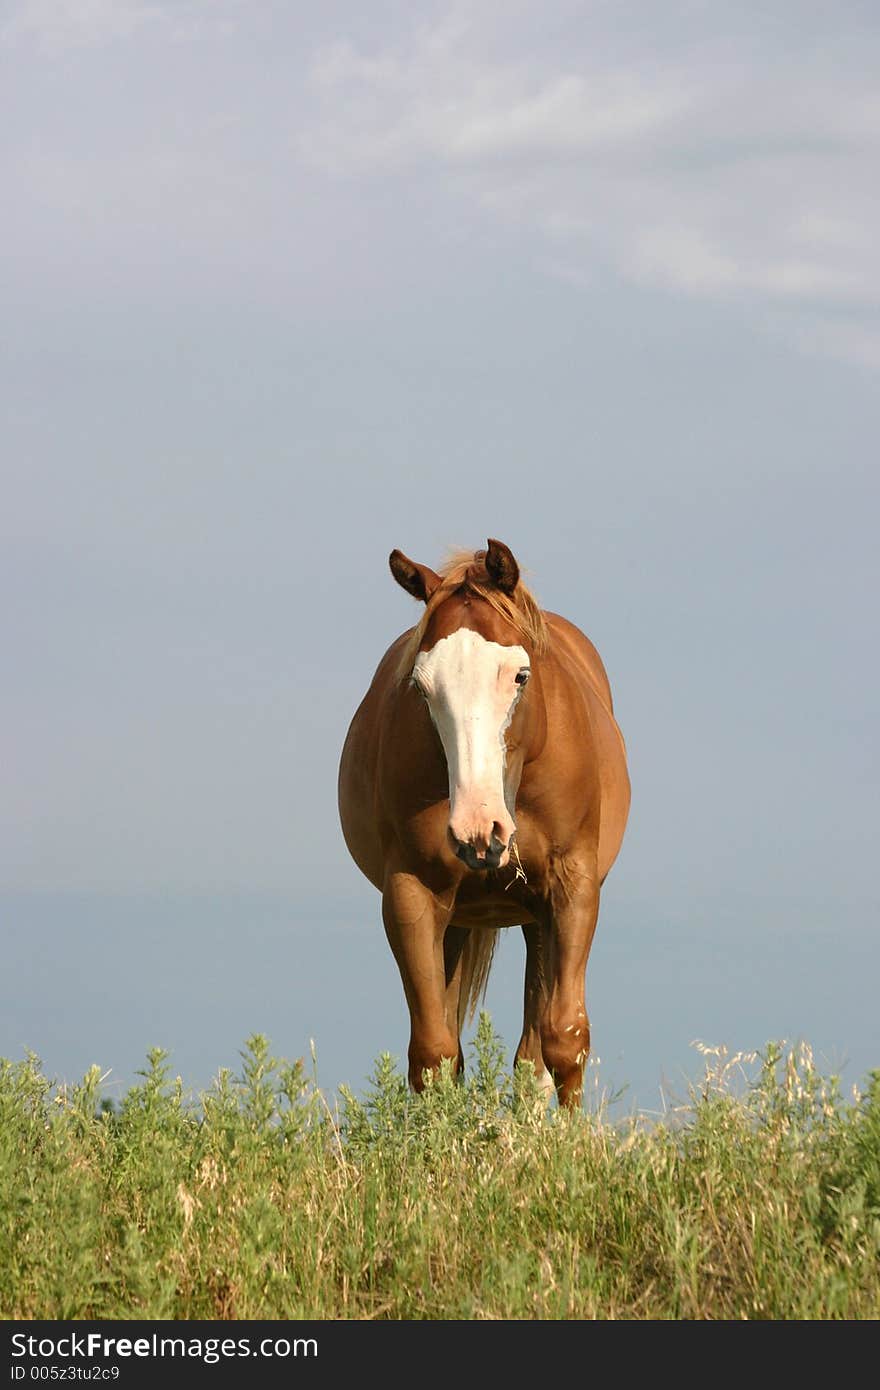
(477, 907)
(356, 801)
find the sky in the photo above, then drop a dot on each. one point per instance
(287, 287)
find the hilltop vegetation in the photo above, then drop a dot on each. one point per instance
(759, 1199)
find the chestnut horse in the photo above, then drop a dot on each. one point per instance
(483, 784)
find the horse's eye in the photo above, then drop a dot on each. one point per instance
(521, 677)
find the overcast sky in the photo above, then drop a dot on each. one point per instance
(285, 287)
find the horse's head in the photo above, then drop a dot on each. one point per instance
(470, 659)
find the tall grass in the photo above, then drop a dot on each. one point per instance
(758, 1199)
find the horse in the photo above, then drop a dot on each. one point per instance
(483, 784)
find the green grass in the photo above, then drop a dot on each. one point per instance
(759, 1199)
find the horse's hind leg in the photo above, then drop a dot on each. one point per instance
(454, 942)
(416, 924)
(538, 945)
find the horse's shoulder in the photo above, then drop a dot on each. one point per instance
(572, 646)
(387, 671)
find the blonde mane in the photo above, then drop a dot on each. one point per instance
(465, 567)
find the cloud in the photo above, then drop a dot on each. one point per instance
(400, 108)
(62, 24)
(75, 23)
(710, 167)
(714, 152)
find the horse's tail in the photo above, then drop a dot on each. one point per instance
(476, 960)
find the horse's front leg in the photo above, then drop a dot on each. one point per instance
(415, 923)
(564, 1025)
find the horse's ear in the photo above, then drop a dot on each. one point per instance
(418, 580)
(501, 567)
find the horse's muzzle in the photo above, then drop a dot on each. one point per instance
(491, 860)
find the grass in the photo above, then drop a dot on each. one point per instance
(758, 1199)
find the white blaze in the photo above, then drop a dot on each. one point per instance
(471, 689)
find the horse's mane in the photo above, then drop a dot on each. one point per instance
(467, 569)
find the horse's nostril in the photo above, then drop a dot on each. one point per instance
(468, 855)
(503, 833)
(494, 852)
